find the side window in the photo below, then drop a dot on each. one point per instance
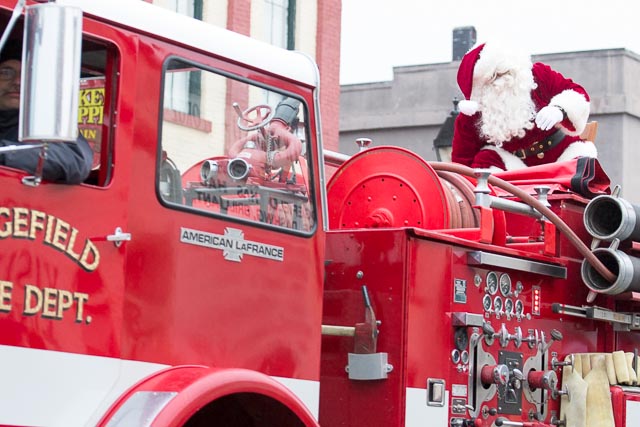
(242, 157)
(94, 107)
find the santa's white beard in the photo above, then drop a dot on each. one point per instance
(507, 108)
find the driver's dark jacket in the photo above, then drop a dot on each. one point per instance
(67, 163)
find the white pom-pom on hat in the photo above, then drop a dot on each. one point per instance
(468, 108)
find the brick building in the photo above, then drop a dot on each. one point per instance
(310, 26)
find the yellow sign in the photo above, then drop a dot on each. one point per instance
(91, 114)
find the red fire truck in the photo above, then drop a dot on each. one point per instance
(218, 267)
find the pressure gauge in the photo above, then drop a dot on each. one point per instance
(508, 306)
(497, 304)
(486, 303)
(492, 282)
(519, 308)
(505, 285)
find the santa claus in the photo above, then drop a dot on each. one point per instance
(517, 114)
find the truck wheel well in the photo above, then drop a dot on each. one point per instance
(245, 410)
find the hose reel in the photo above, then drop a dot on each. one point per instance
(393, 187)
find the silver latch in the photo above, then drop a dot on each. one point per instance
(118, 237)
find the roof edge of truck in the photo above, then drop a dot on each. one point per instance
(203, 36)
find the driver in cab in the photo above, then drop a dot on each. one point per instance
(67, 163)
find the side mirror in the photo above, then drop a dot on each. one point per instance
(51, 54)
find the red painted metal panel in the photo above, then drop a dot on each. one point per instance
(380, 257)
(58, 300)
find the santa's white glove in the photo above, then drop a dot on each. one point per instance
(548, 117)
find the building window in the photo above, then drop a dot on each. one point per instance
(280, 22)
(279, 18)
(183, 92)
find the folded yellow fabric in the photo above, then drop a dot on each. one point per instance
(599, 409)
(573, 407)
(622, 369)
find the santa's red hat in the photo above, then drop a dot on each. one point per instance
(465, 80)
(479, 66)
(465, 72)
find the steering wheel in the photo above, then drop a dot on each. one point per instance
(262, 115)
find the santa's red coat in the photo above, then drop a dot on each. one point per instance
(552, 89)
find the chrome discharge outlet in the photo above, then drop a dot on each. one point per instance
(238, 168)
(626, 269)
(209, 170)
(608, 217)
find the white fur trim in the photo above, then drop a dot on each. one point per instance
(511, 162)
(468, 108)
(579, 149)
(498, 57)
(577, 108)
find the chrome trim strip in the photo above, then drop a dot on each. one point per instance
(480, 258)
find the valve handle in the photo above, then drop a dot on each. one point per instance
(555, 363)
(555, 394)
(517, 374)
(556, 335)
(499, 422)
(487, 329)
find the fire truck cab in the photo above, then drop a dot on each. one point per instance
(173, 261)
(207, 273)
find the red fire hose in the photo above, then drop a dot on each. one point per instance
(535, 203)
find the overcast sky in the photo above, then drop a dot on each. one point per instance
(380, 34)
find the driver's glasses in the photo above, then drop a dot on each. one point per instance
(8, 73)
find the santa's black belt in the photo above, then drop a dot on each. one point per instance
(538, 148)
